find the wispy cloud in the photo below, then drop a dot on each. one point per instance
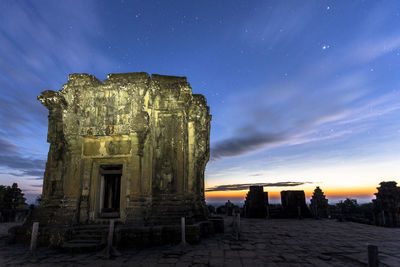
(40, 44)
(279, 23)
(368, 51)
(242, 144)
(17, 163)
(33, 49)
(238, 187)
(36, 185)
(7, 147)
(327, 96)
(305, 108)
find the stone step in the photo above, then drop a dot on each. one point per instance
(89, 232)
(91, 227)
(87, 237)
(80, 247)
(83, 241)
(169, 215)
(167, 219)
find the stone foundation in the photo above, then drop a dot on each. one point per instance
(125, 236)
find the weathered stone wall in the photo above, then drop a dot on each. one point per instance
(319, 204)
(294, 204)
(256, 202)
(386, 206)
(153, 126)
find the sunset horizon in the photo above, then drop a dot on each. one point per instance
(361, 195)
(200, 133)
(293, 96)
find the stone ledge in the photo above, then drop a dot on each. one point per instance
(83, 79)
(125, 236)
(166, 79)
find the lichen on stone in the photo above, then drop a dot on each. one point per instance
(151, 126)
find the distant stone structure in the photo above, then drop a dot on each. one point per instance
(256, 203)
(319, 204)
(294, 204)
(386, 206)
(132, 148)
(229, 208)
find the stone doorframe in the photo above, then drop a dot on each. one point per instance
(95, 188)
(116, 182)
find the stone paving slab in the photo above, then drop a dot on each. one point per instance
(262, 243)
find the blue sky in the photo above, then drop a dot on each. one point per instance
(300, 91)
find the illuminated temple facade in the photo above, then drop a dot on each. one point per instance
(133, 148)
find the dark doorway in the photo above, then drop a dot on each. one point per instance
(110, 191)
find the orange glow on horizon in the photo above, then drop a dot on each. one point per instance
(337, 192)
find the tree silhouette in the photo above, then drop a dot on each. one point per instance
(348, 207)
(11, 200)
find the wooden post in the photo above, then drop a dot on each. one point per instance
(267, 211)
(373, 260)
(183, 232)
(32, 248)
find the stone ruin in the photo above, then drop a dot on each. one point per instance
(256, 202)
(132, 148)
(319, 204)
(294, 204)
(229, 208)
(386, 206)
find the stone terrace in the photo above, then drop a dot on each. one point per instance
(262, 243)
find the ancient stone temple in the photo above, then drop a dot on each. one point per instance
(256, 203)
(319, 204)
(387, 205)
(133, 148)
(294, 204)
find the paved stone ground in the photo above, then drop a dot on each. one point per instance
(262, 243)
(4, 228)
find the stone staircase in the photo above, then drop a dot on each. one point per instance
(86, 238)
(168, 212)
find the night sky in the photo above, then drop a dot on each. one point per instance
(302, 93)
